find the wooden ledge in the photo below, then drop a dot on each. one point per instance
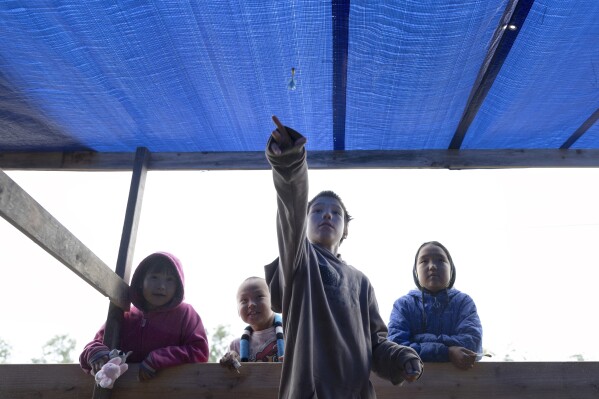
(522, 380)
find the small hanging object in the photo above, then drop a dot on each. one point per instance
(291, 83)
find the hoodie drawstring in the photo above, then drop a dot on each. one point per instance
(435, 305)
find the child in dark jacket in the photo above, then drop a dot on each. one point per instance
(160, 329)
(438, 321)
(262, 340)
(334, 335)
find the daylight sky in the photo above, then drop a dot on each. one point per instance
(522, 240)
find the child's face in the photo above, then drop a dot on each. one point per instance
(433, 268)
(253, 304)
(326, 223)
(159, 287)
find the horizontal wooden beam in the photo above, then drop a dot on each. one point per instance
(490, 380)
(27, 215)
(255, 160)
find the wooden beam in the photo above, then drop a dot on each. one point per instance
(28, 216)
(505, 35)
(131, 222)
(340, 27)
(362, 159)
(490, 380)
(114, 320)
(586, 125)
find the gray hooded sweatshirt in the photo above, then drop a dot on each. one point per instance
(334, 335)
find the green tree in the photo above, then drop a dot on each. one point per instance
(220, 339)
(57, 350)
(5, 349)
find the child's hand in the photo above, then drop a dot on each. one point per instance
(97, 365)
(284, 138)
(230, 360)
(461, 357)
(412, 370)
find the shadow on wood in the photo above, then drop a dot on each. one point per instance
(527, 380)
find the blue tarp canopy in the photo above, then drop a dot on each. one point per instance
(205, 76)
(192, 84)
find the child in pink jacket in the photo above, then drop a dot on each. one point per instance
(160, 329)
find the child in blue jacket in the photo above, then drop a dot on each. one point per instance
(438, 321)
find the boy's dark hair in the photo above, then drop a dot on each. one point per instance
(331, 194)
(452, 266)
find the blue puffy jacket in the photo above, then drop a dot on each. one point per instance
(448, 318)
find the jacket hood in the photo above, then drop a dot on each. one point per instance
(136, 287)
(452, 266)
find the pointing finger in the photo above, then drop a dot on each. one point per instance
(277, 122)
(281, 135)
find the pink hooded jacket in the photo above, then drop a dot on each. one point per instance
(161, 338)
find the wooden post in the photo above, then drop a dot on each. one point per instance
(112, 331)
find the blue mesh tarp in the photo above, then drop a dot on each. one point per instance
(207, 75)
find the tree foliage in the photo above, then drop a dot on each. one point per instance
(220, 338)
(5, 349)
(57, 350)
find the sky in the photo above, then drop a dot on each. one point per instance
(522, 240)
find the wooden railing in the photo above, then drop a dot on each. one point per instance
(487, 380)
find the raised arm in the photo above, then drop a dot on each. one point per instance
(287, 156)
